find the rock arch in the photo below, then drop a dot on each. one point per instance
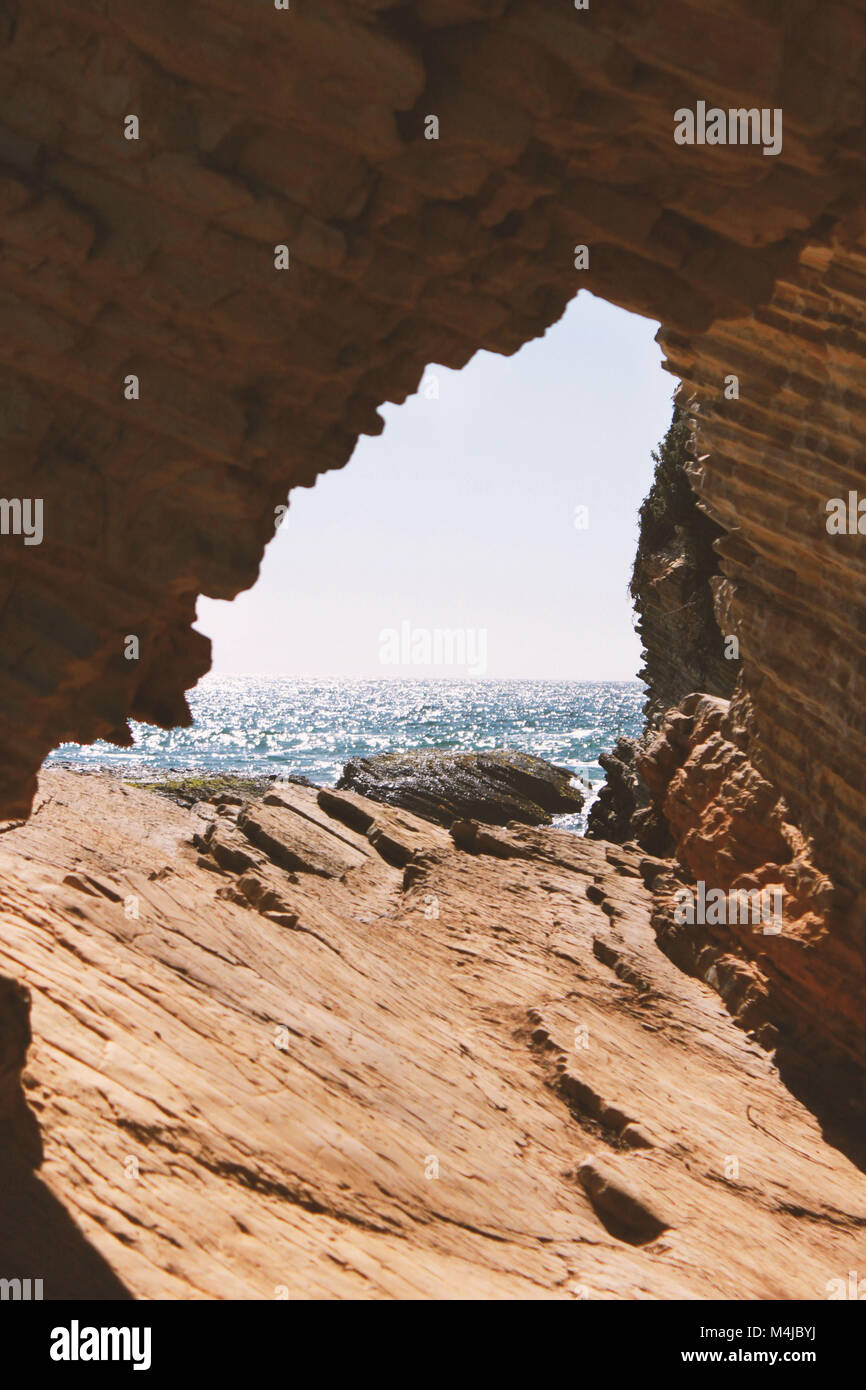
(306, 128)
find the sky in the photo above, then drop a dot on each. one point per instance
(464, 516)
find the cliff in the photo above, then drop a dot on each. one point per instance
(692, 791)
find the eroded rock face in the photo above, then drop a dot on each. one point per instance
(793, 972)
(495, 787)
(402, 1067)
(793, 594)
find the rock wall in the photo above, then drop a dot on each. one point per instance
(794, 594)
(691, 791)
(778, 947)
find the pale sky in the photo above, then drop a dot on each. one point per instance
(461, 515)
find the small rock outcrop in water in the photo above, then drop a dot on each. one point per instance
(495, 787)
(611, 818)
(624, 809)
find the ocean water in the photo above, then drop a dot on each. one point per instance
(275, 725)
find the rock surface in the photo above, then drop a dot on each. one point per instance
(495, 787)
(309, 1045)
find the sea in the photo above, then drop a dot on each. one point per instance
(280, 726)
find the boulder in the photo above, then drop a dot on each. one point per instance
(441, 786)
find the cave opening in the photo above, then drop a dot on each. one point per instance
(463, 583)
(295, 1042)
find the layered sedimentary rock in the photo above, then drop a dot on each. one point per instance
(495, 787)
(794, 594)
(312, 1046)
(691, 790)
(779, 945)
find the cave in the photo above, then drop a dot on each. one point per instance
(151, 249)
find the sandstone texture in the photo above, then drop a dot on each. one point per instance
(799, 988)
(495, 787)
(308, 1045)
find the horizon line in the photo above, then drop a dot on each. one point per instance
(454, 680)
